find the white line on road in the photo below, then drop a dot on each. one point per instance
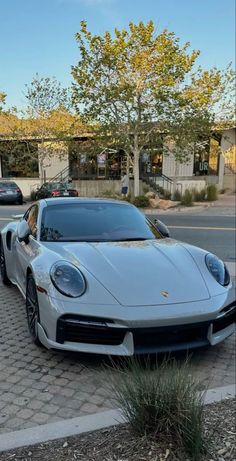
(203, 228)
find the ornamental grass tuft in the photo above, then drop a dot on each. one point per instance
(162, 401)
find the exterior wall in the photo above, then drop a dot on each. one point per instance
(94, 188)
(171, 168)
(190, 184)
(228, 139)
(52, 164)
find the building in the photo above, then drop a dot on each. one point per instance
(29, 166)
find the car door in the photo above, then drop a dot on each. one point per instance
(26, 251)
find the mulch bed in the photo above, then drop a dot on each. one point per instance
(119, 444)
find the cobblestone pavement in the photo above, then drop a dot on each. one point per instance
(39, 386)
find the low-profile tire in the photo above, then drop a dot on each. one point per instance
(32, 309)
(3, 268)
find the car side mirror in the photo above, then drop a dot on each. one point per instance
(162, 228)
(23, 231)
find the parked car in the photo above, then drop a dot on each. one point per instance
(99, 277)
(10, 192)
(56, 189)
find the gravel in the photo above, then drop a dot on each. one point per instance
(119, 444)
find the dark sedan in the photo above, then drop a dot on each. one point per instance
(10, 193)
(56, 189)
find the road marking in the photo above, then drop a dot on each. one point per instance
(6, 219)
(203, 228)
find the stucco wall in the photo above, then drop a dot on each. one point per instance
(228, 139)
(94, 188)
(53, 163)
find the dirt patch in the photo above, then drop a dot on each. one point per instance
(119, 444)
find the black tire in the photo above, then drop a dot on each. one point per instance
(32, 309)
(3, 268)
(20, 202)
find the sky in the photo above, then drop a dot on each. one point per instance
(38, 36)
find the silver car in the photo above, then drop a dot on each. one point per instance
(99, 277)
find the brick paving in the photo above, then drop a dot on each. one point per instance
(39, 386)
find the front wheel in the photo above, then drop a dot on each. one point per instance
(32, 309)
(3, 268)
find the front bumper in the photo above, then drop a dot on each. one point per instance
(101, 335)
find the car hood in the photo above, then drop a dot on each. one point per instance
(142, 272)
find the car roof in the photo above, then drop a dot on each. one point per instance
(82, 200)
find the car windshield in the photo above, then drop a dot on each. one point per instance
(95, 222)
(58, 186)
(8, 185)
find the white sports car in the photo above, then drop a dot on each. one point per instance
(99, 277)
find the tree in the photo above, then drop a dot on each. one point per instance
(2, 100)
(136, 88)
(48, 117)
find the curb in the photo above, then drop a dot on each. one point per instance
(89, 423)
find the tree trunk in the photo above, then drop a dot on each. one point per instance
(175, 179)
(136, 173)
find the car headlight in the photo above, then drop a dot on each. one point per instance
(218, 269)
(67, 279)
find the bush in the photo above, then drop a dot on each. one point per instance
(199, 196)
(167, 195)
(162, 401)
(187, 198)
(33, 195)
(212, 192)
(141, 201)
(146, 188)
(177, 196)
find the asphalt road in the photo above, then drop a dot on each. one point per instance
(213, 233)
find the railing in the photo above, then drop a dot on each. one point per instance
(62, 176)
(162, 183)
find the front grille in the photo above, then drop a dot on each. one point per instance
(225, 321)
(168, 338)
(90, 330)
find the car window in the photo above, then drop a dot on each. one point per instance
(8, 185)
(95, 222)
(31, 218)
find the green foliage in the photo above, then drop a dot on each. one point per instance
(2, 100)
(134, 85)
(187, 198)
(199, 196)
(177, 196)
(33, 195)
(146, 188)
(141, 201)
(166, 194)
(162, 401)
(212, 192)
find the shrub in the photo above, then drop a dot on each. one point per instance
(177, 196)
(199, 196)
(167, 195)
(33, 195)
(187, 198)
(162, 401)
(141, 201)
(146, 188)
(212, 192)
